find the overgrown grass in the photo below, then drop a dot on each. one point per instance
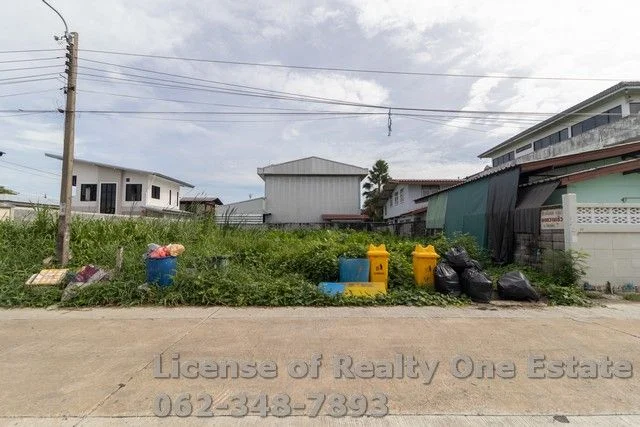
(267, 267)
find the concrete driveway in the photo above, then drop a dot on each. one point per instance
(101, 366)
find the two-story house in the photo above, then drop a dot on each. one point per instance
(398, 198)
(110, 189)
(607, 118)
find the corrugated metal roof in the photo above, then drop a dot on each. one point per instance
(569, 159)
(197, 199)
(106, 165)
(583, 175)
(313, 166)
(571, 110)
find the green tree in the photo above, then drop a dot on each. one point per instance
(377, 178)
(5, 190)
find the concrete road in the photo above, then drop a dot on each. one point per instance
(99, 366)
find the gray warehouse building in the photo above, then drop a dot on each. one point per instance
(312, 190)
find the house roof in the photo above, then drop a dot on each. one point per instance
(313, 166)
(390, 186)
(632, 165)
(204, 200)
(106, 165)
(568, 112)
(554, 162)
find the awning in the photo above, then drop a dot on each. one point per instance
(527, 217)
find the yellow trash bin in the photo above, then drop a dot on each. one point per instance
(379, 264)
(424, 265)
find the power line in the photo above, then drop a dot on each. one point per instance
(183, 101)
(29, 167)
(233, 121)
(39, 175)
(27, 81)
(29, 51)
(302, 98)
(27, 93)
(182, 76)
(10, 61)
(351, 70)
(26, 77)
(30, 68)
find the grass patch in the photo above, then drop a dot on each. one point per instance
(632, 297)
(267, 267)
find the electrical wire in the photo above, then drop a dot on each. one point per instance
(182, 101)
(300, 98)
(27, 81)
(28, 167)
(30, 68)
(39, 175)
(11, 61)
(231, 121)
(26, 77)
(30, 50)
(27, 93)
(351, 70)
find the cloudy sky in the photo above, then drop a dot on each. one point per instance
(219, 153)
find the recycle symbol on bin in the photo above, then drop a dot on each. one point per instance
(379, 267)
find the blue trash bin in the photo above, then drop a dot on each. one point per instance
(354, 269)
(161, 271)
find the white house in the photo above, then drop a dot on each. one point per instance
(110, 189)
(607, 118)
(398, 198)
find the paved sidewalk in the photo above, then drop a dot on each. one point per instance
(96, 366)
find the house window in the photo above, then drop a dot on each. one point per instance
(401, 195)
(606, 117)
(133, 193)
(504, 158)
(634, 107)
(523, 148)
(74, 180)
(395, 198)
(155, 192)
(169, 197)
(88, 192)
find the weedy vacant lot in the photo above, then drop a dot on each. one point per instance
(266, 268)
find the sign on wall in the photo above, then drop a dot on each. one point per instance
(551, 219)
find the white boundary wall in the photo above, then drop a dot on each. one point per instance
(610, 234)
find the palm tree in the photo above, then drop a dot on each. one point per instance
(378, 176)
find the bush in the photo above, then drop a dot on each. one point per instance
(567, 267)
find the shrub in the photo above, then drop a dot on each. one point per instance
(567, 267)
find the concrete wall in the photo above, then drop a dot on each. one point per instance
(293, 199)
(609, 233)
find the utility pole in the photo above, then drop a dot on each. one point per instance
(64, 218)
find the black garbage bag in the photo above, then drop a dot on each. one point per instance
(477, 285)
(458, 258)
(515, 286)
(475, 264)
(447, 281)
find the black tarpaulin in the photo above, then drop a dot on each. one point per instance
(501, 204)
(527, 216)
